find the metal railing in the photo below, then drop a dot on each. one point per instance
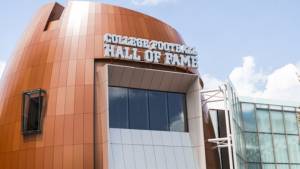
(221, 95)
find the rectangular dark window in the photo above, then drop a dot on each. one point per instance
(33, 104)
(158, 110)
(147, 109)
(138, 109)
(177, 111)
(118, 107)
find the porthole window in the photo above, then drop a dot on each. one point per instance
(32, 111)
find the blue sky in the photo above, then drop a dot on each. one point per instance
(224, 32)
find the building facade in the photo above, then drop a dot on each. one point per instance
(96, 86)
(267, 135)
(264, 133)
(92, 85)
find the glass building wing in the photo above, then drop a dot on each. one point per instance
(269, 131)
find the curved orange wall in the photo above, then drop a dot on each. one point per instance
(61, 61)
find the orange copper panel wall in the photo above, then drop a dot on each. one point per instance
(61, 61)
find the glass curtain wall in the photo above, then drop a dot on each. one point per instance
(270, 134)
(266, 136)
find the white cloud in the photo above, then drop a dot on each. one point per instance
(298, 73)
(248, 80)
(150, 2)
(283, 84)
(298, 66)
(211, 82)
(2, 67)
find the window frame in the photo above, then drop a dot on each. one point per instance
(134, 96)
(42, 102)
(185, 113)
(126, 113)
(166, 113)
(185, 118)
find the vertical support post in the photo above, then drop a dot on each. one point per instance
(228, 133)
(298, 123)
(232, 111)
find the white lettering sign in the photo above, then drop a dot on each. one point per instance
(123, 47)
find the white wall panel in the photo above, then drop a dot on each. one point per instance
(145, 149)
(197, 155)
(129, 159)
(160, 157)
(139, 156)
(150, 157)
(136, 137)
(167, 138)
(179, 157)
(170, 157)
(176, 138)
(111, 160)
(156, 137)
(126, 136)
(115, 135)
(118, 159)
(185, 140)
(189, 158)
(146, 137)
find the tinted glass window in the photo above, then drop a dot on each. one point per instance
(158, 110)
(277, 121)
(295, 166)
(118, 107)
(249, 117)
(290, 120)
(294, 148)
(146, 109)
(252, 147)
(280, 148)
(177, 110)
(266, 148)
(263, 121)
(33, 114)
(138, 109)
(268, 166)
(282, 166)
(253, 166)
